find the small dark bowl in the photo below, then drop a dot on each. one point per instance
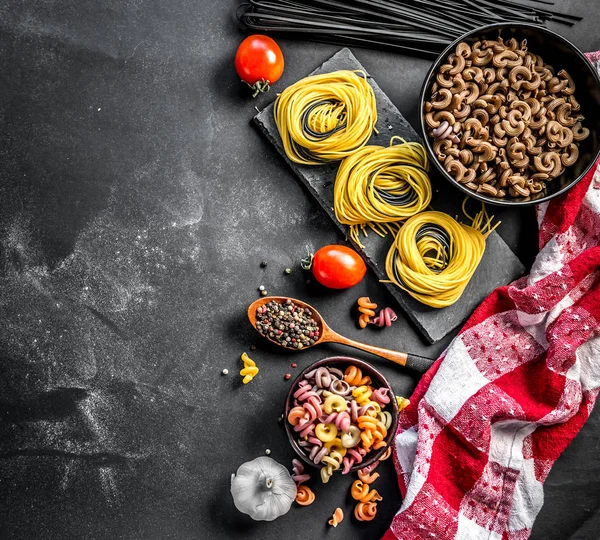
(378, 381)
(559, 53)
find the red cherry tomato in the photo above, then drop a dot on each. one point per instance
(338, 267)
(259, 62)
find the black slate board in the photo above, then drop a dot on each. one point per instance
(499, 265)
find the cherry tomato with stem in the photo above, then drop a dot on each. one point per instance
(259, 62)
(336, 267)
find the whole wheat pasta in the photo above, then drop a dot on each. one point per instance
(496, 94)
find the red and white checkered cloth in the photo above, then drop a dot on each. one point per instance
(489, 419)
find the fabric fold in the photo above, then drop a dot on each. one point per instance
(488, 420)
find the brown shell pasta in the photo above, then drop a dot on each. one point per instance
(504, 122)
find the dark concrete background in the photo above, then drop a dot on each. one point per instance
(136, 203)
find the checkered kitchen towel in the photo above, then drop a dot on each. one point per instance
(488, 420)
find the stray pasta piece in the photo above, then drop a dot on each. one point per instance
(365, 511)
(305, 496)
(402, 402)
(337, 518)
(249, 371)
(366, 309)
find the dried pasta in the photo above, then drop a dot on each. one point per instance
(365, 511)
(367, 477)
(249, 371)
(433, 257)
(385, 317)
(337, 518)
(337, 430)
(366, 309)
(363, 493)
(377, 187)
(386, 454)
(326, 117)
(354, 376)
(504, 123)
(298, 474)
(402, 402)
(305, 496)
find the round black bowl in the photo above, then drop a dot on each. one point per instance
(378, 380)
(559, 53)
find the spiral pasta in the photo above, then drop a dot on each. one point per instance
(367, 477)
(337, 518)
(298, 474)
(385, 318)
(326, 117)
(365, 511)
(362, 394)
(366, 309)
(503, 123)
(402, 402)
(373, 431)
(350, 437)
(336, 431)
(385, 417)
(366, 508)
(354, 456)
(386, 454)
(434, 257)
(354, 376)
(249, 371)
(335, 403)
(305, 496)
(378, 187)
(363, 493)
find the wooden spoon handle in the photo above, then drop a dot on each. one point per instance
(412, 361)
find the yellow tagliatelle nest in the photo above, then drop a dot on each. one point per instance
(325, 117)
(434, 256)
(377, 187)
(304, 496)
(249, 371)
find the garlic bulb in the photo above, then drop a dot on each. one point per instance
(263, 489)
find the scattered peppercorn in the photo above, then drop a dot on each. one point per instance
(264, 293)
(252, 347)
(288, 271)
(225, 371)
(267, 451)
(294, 365)
(263, 264)
(288, 324)
(288, 376)
(261, 288)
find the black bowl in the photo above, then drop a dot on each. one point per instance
(378, 380)
(559, 53)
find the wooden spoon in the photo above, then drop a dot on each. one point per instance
(327, 335)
